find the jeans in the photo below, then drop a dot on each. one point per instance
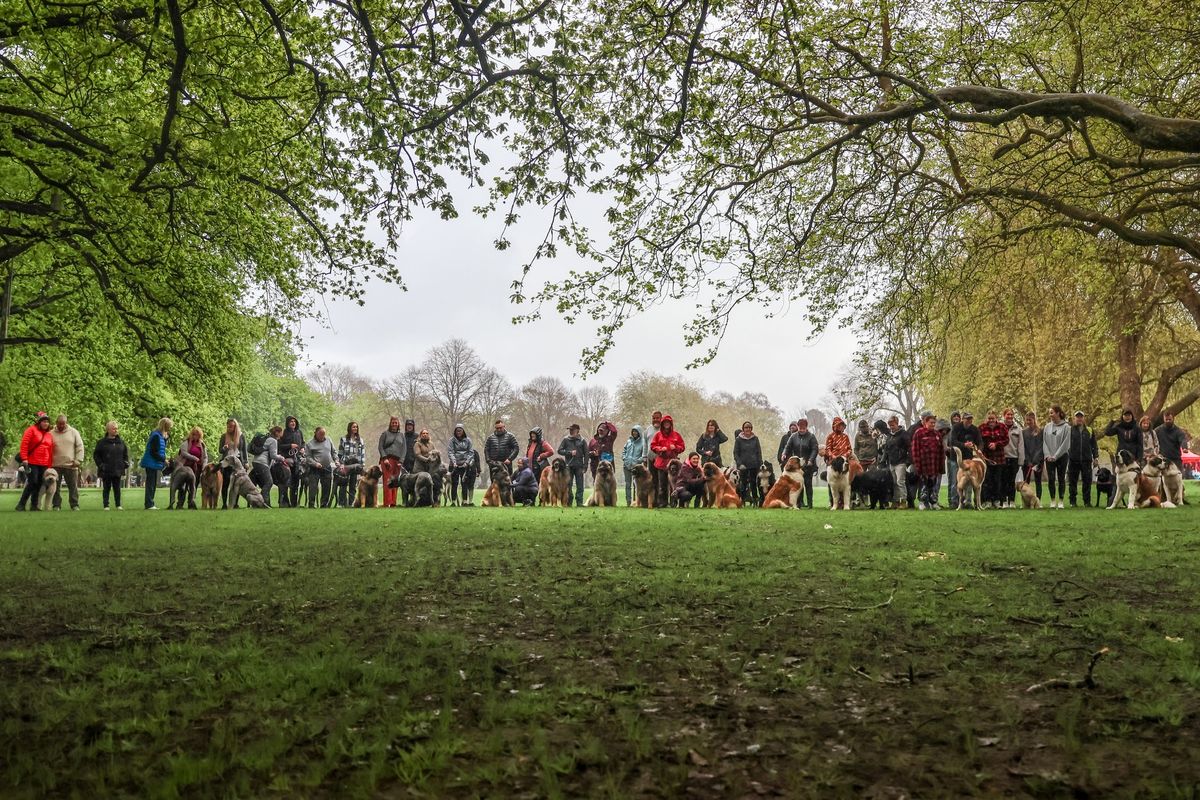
(347, 486)
(900, 478)
(577, 479)
(69, 476)
(1008, 482)
(151, 485)
(629, 487)
(952, 482)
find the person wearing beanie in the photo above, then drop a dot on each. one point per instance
(36, 456)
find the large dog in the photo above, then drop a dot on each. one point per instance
(840, 478)
(971, 473)
(876, 486)
(45, 498)
(368, 483)
(673, 467)
(1135, 489)
(1171, 477)
(555, 486)
(240, 484)
(183, 486)
(604, 493)
(717, 486)
(787, 489)
(644, 483)
(211, 483)
(499, 492)
(281, 476)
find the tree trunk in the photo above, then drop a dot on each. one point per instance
(1129, 379)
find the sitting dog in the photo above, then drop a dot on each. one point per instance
(970, 479)
(1029, 497)
(839, 483)
(45, 498)
(1128, 473)
(766, 479)
(555, 486)
(240, 484)
(368, 482)
(785, 491)
(1172, 480)
(211, 483)
(876, 485)
(604, 493)
(499, 493)
(1105, 485)
(717, 486)
(183, 485)
(644, 483)
(422, 490)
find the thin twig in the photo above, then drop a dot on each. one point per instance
(1086, 682)
(840, 606)
(1058, 598)
(1048, 622)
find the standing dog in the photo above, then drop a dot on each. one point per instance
(839, 483)
(211, 483)
(1105, 485)
(1128, 473)
(240, 484)
(970, 477)
(876, 486)
(785, 491)
(45, 498)
(604, 493)
(645, 485)
(368, 482)
(183, 486)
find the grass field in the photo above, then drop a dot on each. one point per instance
(610, 653)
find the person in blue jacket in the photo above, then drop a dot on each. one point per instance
(634, 453)
(154, 459)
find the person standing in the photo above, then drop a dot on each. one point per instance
(501, 446)
(322, 461)
(635, 452)
(995, 438)
(410, 442)
(111, 457)
(866, 447)
(291, 447)
(928, 454)
(1056, 439)
(36, 456)
(747, 457)
(1150, 447)
(709, 443)
(68, 458)
(422, 453)
(460, 452)
(1172, 441)
(193, 456)
(780, 455)
(538, 451)
(600, 448)
(574, 449)
(951, 461)
(1082, 457)
(232, 442)
(261, 463)
(1129, 437)
(352, 452)
(897, 451)
(1014, 454)
(1034, 457)
(154, 459)
(666, 445)
(803, 445)
(393, 447)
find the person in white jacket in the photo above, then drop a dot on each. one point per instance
(1056, 437)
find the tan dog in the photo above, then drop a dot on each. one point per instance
(211, 483)
(1028, 496)
(1166, 479)
(644, 483)
(368, 483)
(971, 473)
(556, 478)
(604, 493)
(719, 488)
(45, 498)
(786, 490)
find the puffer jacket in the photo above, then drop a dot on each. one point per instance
(37, 447)
(635, 449)
(460, 452)
(111, 455)
(747, 452)
(155, 456)
(1082, 448)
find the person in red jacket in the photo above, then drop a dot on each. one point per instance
(995, 438)
(36, 455)
(928, 458)
(666, 445)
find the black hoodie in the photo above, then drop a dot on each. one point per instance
(291, 437)
(1129, 436)
(410, 439)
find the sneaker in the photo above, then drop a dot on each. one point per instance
(152, 508)
(120, 508)
(106, 508)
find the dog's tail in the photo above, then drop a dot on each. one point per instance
(957, 455)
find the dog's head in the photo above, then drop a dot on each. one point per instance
(639, 471)
(766, 471)
(211, 468)
(558, 464)
(231, 461)
(604, 470)
(793, 464)
(1125, 459)
(50, 476)
(839, 466)
(374, 473)
(710, 470)
(732, 475)
(673, 468)
(435, 460)
(1104, 475)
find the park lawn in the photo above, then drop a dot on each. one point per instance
(598, 652)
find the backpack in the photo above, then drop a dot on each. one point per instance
(258, 444)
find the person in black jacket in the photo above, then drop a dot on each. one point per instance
(410, 441)
(803, 445)
(112, 459)
(709, 444)
(291, 447)
(747, 457)
(573, 448)
(501, 446)
(783, 443)
(1082, 457)
(1129, 436)
(896, 450)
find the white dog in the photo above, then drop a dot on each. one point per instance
(45, 497)
(1160, 470)
(1127, 470)
(839, 483)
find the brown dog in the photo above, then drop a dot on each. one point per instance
(717, 486)
(970, 476)
(1166, 475)
(786, 490)
(644, 483)
(368, 482)
(604, 493)
(211, 483)
(557, 480)
(1028, 496)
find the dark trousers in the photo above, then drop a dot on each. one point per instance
(805, 498)
(151, 485)
(261, 475)
(525, 494)
(1032, 473)
(293, 488)
(68, 476)
(463, 477)
(748, 486)
(1056, 471)
(111, 484)
(347, 486)
(226, 476)
(927, 491)
(992, 481)
(577, 479)
(33, 486)
(323, 479)
(1075, 471)
(662, 486)
(1008, 483)
(683, 496)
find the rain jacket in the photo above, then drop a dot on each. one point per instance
(635, 450)
(666, 446)
(460, 452)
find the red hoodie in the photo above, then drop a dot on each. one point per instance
(666, 446)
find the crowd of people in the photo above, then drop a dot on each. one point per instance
(314, 471)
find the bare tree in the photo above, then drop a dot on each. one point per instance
(339, 383)
(546, 402)
(595, 406)
(456, 379)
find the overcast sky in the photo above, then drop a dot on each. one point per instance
(458, 285)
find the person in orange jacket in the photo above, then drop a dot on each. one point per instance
(36, 455)
(666, 445)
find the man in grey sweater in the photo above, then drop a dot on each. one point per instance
(261, 463)
(321, 463)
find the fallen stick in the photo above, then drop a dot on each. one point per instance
(840, 606)
(1085, 682)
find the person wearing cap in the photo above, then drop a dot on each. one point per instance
(154, 459)
(951, 461)
(393, 448)
(666, 445)
(1082, 457)
(1056, 438)
(897, 452)
(780, 456)
(928, 453)
(967, 438)
(1032, 468)
(573, 448)
(36, 456)
(803, 445)
(600, 447)
(68, 457)
(1014, 454)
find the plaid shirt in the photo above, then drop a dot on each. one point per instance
(995, 439)
(928, 452)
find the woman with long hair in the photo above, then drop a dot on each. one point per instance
(232, 441)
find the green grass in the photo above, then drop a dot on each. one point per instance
(588, 652)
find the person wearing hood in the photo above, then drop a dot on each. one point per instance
(1056, 437)
(837, 443)
(461, 455)
(634, 453)
(780, 455)
(709, 444)
(291, 447)
(393, 448)
(574, 449)
(1129, 437)
(747, 457)
(538, 451)
(803, 445)
(600, 448)
(666, 445)
(524, 483)
(410, 443)
(422, 452)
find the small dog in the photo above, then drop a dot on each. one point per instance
(644, 483)
(876, 485)
(556, 483)
(839, 483)
(183, 486)
(1172, 480)
(368, 482)
(1105, 485)
(673, 467)
(717, 486)
(971, 473)
(766, 479)
(786, 491)
(45, 498)
(1029, 497)
(604, 493)
(499, 493)
(211, 483)
(240, 484)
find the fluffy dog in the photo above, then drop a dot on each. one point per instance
(45, 498)
(1029, 497)
(422, 490)
(499, 493)
(1128, 474)
(785, 491)
(368, 482)
(1104, 486)
(644, 483)
(766, 479)
(1172, 480)
(240, 484)
(183, 486)
(604, 493)
(716, 485)
(876, 485)
(211, 483)
(970, 478)
(839, 483)
(555, 488)
(673, 467)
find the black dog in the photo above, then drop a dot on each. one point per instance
(876, 486)
(1106, 485)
